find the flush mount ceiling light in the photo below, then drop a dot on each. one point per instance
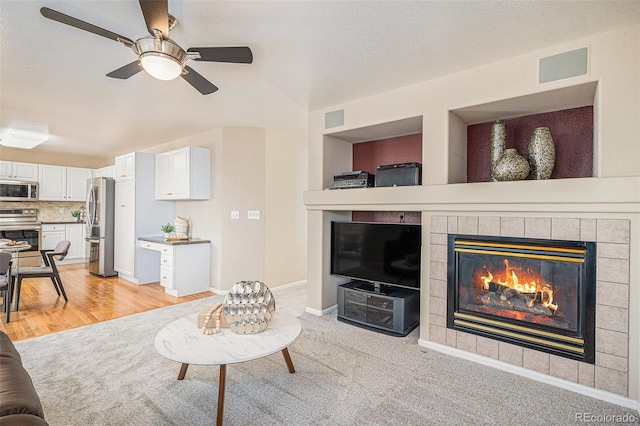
(25, 139)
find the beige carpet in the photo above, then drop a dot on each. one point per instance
(110, 374)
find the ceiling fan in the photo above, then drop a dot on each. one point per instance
(158, 54)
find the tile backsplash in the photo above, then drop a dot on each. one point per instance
(48, 211)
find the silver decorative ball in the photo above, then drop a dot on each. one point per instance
(248, 307)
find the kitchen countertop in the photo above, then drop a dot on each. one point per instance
(69, 222)
(161, 240)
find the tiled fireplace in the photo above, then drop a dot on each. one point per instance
(534, 293)
(600, 358)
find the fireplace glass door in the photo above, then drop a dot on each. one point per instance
(534, 293)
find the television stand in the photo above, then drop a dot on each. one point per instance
(385, 309)
(374, 288)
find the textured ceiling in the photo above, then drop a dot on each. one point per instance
(307, 55)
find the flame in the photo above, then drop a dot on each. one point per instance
(528, 283)
(486, 280)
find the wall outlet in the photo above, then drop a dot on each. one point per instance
(61, 210)
(253, 214)
(235, 214)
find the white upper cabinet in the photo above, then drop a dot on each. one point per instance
(183, 174)
(125, 167)
(107, 171)
(53, 182)
(18, 171)
(59, 183)
(77, 183)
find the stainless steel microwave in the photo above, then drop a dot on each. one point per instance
(14, 190)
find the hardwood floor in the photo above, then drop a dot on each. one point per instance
(92, 299)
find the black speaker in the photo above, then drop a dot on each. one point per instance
(403, 174)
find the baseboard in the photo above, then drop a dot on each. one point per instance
(287, 286)
(273, 289)
(70, 261)
(128, 278)
(323, 312)
(540, 377)
(218, 291)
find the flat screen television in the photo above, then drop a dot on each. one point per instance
(377, 252)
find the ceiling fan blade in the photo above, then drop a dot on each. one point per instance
(156, 16)
(238, 55)
(77, 23)
(200, 83)
(127, 71)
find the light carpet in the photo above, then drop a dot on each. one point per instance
(110, 374)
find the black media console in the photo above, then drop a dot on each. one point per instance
(387, 309)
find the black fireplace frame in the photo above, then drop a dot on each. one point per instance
(509, 330)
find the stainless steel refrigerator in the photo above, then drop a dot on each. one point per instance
(100, 217)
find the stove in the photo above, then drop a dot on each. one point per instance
(22, 225)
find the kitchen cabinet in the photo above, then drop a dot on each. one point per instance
(60, 183)
(77, 183)
(108, 171)
(124, 227)
(74, 232)
(183, 174)
(125, 166)
(184, 266)
(53, 233)
(138, 213)
(14, 170)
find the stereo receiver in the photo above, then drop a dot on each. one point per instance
(355, 179)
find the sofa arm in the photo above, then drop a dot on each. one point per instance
(18, 396)
(22, 420)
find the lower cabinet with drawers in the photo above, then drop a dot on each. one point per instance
(184, 265)
(53, 233)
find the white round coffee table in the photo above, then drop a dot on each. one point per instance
(183, 341)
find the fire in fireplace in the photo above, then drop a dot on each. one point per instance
(533, 293)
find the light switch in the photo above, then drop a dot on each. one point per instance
(253, 214)
(235, 214)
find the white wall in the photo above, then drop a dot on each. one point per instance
(243, 181)
(285, 258)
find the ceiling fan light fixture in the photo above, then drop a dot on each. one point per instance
(163, 59)
(160, 66)
(24, 139)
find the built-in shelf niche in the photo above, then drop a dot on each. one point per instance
(393, 142)
(553, 101)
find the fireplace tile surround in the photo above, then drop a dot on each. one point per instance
(610, 372)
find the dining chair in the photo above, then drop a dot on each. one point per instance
(5, 282)
(49, 270)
